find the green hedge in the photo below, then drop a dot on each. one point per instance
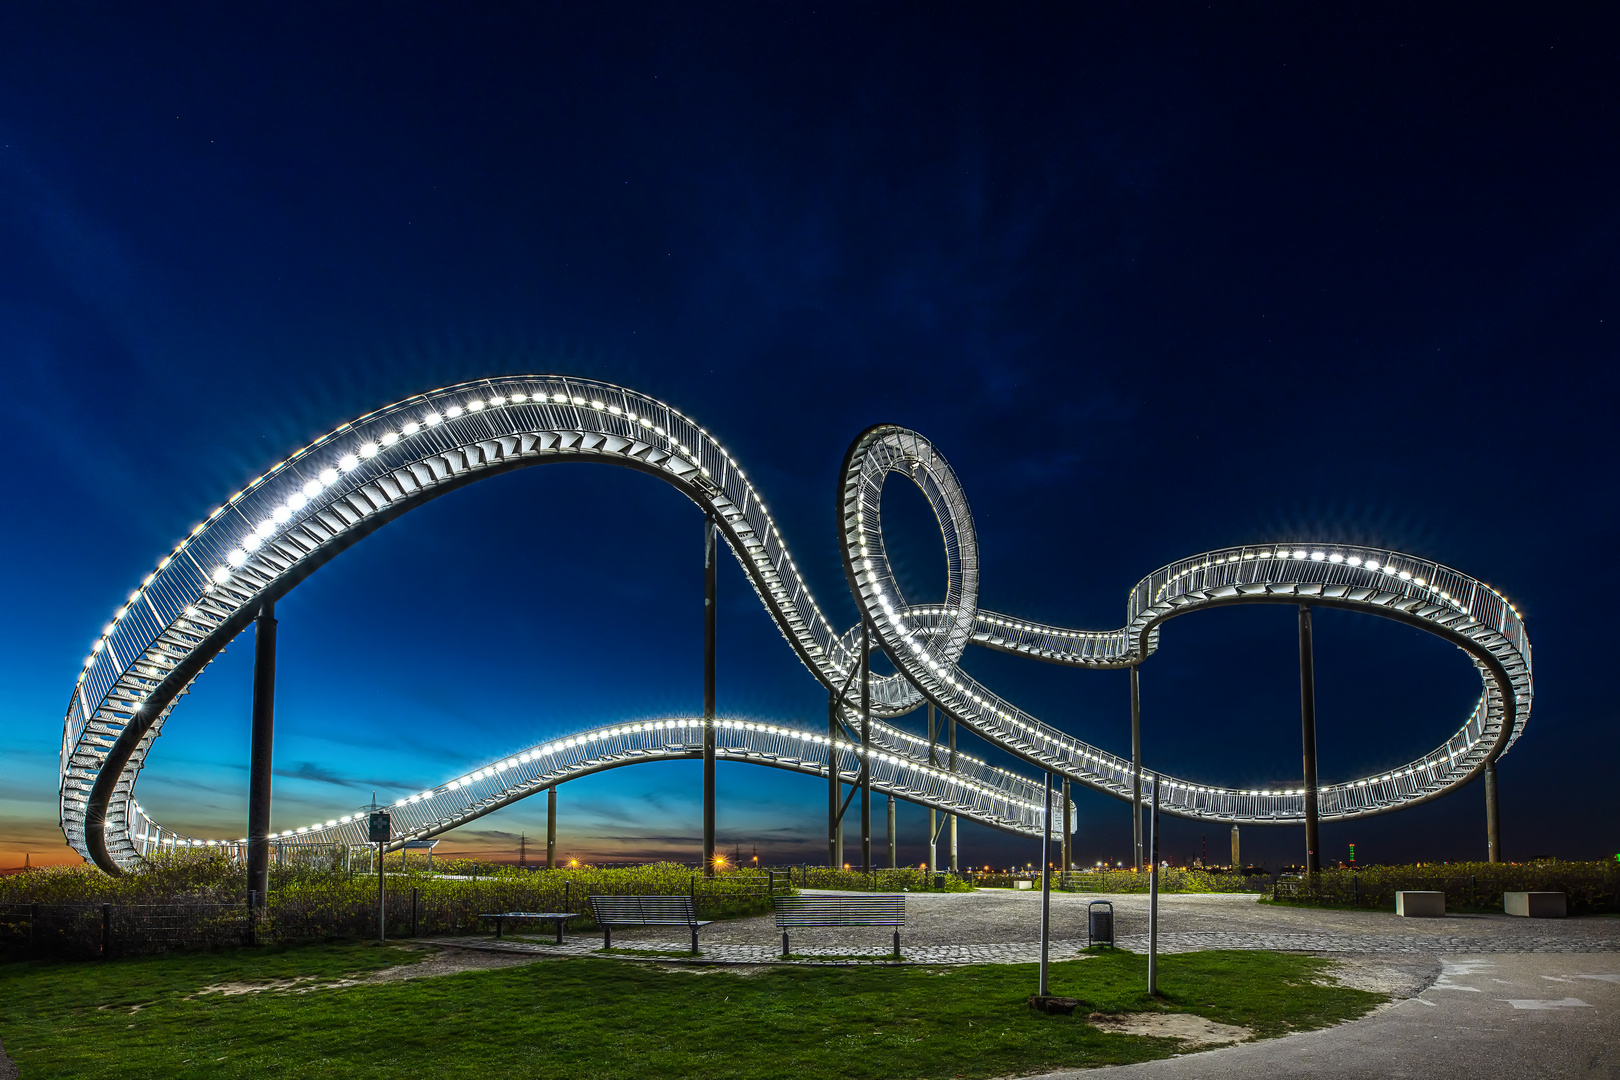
(900, 879)
(1588, 887)
(313, 904)
(1173, 880)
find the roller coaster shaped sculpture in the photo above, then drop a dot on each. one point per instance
(292, 520)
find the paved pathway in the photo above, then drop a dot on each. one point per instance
(999, 926)
(875, 952)
(1551, 1016)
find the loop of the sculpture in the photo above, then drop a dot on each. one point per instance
(302, 513)
(922, 642)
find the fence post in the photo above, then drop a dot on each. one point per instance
(33, 923)
(415, 896)
(106, 930)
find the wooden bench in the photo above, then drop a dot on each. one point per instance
(878, 909)
(611, 911)
(558, 917)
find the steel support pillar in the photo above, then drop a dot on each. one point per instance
(951, 721)
(866, 747)
(263, 740)
(709, 567)
(893, 849)
(835, 788)
(1068, 816)
(551, 827)
(1307, 722)
(1136, 766)
(933, 815)
(1493, 821)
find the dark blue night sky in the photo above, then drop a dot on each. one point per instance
(1156, 279)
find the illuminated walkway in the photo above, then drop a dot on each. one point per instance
(298, 515)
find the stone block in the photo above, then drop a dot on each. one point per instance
(1416, 905)
(1535, 905)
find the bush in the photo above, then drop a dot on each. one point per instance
(1172, 880)
(1588, 887)
(900, 879)
(174, 898)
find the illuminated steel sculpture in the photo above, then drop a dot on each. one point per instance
(292, 520)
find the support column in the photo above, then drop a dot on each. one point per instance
(709, 568)
(263, 739)
(866, 747)
(1068, 816)
(933, 815)
(1307, 721)
(835, 787)
(894, 853)
(551, 827)
(1493, 821)
(1237, 864)
(1136, 765)
(951, 721)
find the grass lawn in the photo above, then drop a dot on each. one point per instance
(589, 1017)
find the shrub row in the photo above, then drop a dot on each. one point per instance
(1173, 880)
(1588, 887)
(191, 901)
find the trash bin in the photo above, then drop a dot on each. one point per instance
(939, 880)
(1099, 923)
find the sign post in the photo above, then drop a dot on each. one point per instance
(380, 827)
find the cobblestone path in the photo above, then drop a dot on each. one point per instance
(1001, 927)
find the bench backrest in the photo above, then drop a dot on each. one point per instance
(644, 910)
(876, 909)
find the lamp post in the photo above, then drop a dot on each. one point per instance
(1046, 883)
(1153, 893)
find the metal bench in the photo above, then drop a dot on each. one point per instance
(878, 909)
(558, 917)
(611, 911)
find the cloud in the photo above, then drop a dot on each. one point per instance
(309, 770)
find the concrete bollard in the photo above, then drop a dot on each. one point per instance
(1535, 905)
(1420, 905)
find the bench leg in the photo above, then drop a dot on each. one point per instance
(607, 937)
(559, 930)
(897, 944)
(694, 939)
(500, 924)
(784, 945)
